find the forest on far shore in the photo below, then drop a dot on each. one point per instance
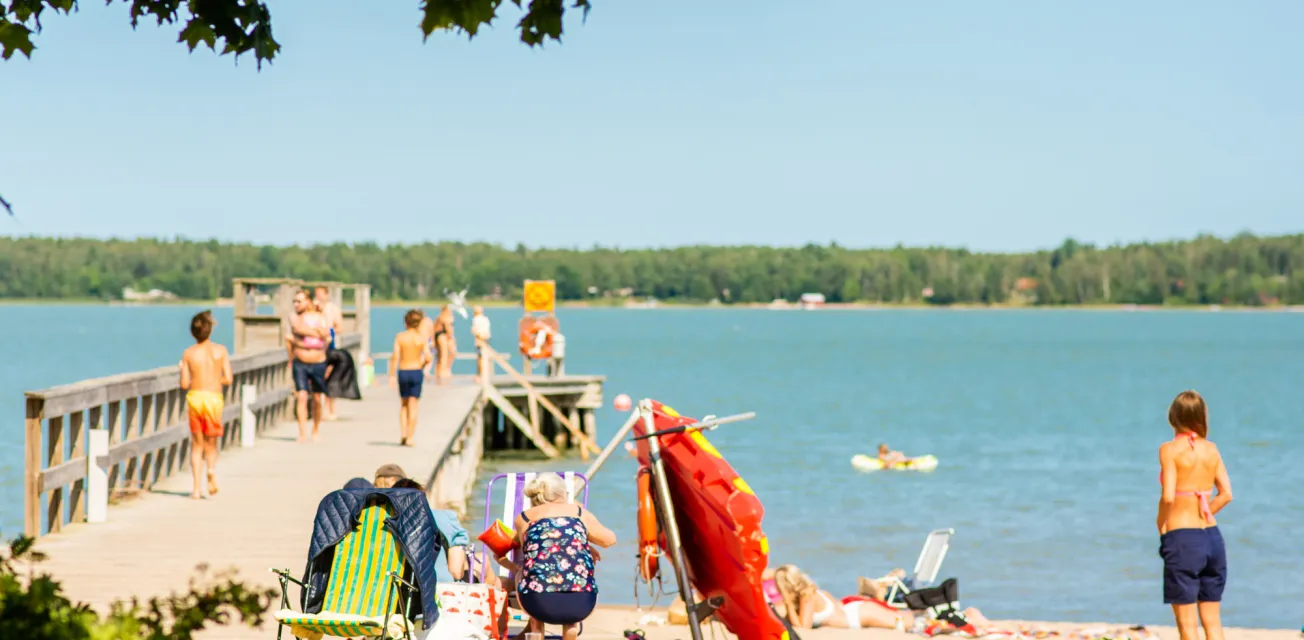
(1243, 270)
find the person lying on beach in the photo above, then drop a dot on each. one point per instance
(806, 606)
(877, 589)
(888, 456)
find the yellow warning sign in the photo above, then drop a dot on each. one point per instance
(540, 295)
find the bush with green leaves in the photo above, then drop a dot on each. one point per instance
(33, 606)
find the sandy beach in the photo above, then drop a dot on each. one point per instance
(609, 622)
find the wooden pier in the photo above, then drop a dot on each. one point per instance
(107, 465)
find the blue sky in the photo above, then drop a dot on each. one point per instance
(997, 125)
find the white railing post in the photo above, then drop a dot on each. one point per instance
(248, 421)
(557, 364)
(97, 475)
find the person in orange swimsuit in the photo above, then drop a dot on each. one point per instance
(1195, 558)
(205, 370)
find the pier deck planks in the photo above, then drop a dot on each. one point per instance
(262, 516)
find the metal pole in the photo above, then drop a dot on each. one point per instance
(611, 446)
(705, 424)
(676, 549)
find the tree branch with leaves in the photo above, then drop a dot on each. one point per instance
(244, 26)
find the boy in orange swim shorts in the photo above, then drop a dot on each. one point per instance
(205, 370)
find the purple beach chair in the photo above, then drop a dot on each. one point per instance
(511, 503)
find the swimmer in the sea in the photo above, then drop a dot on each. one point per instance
(888, 456)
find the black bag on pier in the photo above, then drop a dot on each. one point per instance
(343, 380)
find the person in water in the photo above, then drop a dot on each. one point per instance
(555, 582)
(1195, 559)
(411, 355)
(205, 370)
(888, 456)
(806, 606)
(306, 342)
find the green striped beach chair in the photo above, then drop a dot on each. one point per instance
(366, 594)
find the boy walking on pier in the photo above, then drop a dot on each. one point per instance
(411, 355)
(205, 370)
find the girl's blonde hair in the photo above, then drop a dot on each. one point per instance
(794, 587)
(545, 488)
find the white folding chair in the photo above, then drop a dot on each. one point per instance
(927, 567)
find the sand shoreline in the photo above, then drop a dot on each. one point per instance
(609, 621)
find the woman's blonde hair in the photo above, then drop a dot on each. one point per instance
(794, 587)
(545, 488)
(1188, 413)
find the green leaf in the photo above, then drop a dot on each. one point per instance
(197, 32)
(542, 21)
(458, 15)
(15, 37)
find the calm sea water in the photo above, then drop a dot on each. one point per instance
(1045, 422)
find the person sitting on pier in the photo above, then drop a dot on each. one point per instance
(454, 537)
(555, 582)
(205, 370)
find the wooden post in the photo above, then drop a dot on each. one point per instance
(590, 423)
(535, 396)
(54, 455)
(77, 493)
(32, 483)
(97, 475)
(362, 304)
(573, 415)
(243, 298)
(556, 363)
(248, 420)
(114, 425)
(533, 404)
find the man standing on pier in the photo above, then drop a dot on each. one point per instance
(305, 340)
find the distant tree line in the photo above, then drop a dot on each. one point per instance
(1244, 270)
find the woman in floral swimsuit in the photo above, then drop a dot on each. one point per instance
(556, 584)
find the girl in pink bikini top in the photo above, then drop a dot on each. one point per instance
(1205, 496)
(313, 342)
(1189, 419)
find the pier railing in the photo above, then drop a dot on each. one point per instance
(91, 440)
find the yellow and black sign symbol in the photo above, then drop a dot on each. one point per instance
(540, 295)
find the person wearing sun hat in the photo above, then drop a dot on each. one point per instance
(387, 474)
